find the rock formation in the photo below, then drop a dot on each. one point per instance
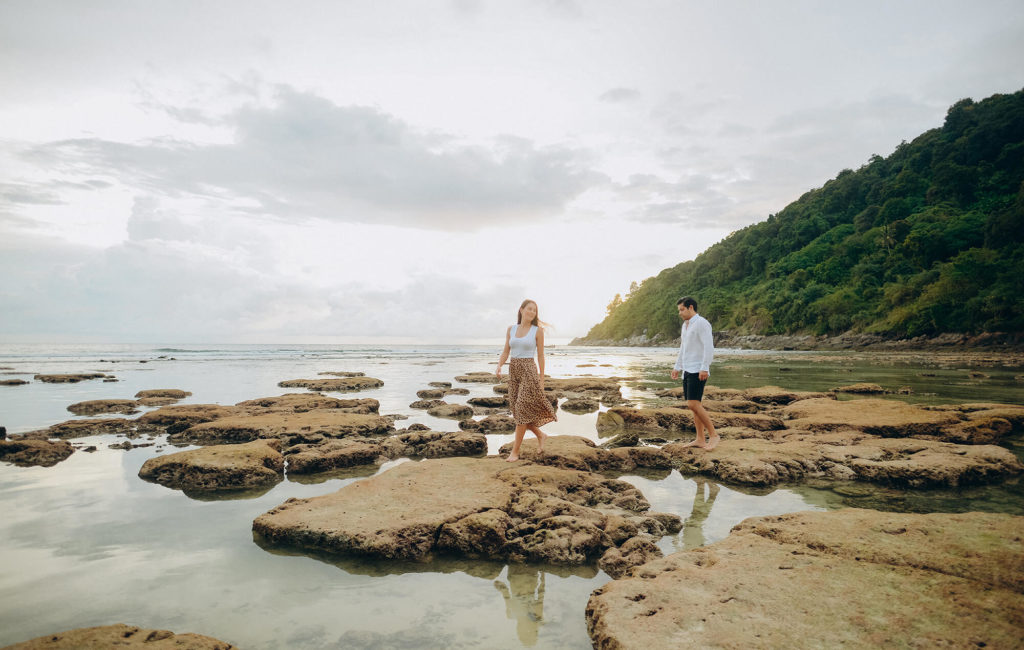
(522, 512)
(218, 467)
(849, 578)
(121, 636)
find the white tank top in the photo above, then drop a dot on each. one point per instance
(524, 347)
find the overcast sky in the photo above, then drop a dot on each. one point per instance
(250, 171)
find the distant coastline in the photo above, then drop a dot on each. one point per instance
(952, 341)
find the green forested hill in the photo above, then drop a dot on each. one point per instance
(927, 241)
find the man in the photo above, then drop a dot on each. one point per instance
(696, 350)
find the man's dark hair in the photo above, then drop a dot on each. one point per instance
(687, 301)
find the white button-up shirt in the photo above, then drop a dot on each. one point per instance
(696, 346)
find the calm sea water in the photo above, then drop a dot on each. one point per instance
(89, 543)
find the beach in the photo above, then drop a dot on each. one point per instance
(87, 542)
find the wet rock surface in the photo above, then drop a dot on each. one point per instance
(121, 636)
(335, 454)
(495, 423)
(341, 384)
(451, 411)
(173, 393)
(97, 406)
(522, 512)
(849, 578)
(218, 467)
(330, 423)
(795, 435)
(29, 452)
(12, 382)
(72, 378)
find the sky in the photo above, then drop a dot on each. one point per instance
(410, 171)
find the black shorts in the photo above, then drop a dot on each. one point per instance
(693, 386)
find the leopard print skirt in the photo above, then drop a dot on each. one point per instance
(526, 400)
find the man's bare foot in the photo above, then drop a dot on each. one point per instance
(712, 442)
(511, 459)
(540, 442)
(694, 443)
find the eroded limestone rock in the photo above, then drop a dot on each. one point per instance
(218, 467)
(97, 406)
(72, 378)
(849, 578)
(342, 384)
(335, 454)
(30, 452)
(121, 636)
(521, 512)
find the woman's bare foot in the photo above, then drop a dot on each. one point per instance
(712, 442)
(694, 443)
(541, 437)
(511, 459)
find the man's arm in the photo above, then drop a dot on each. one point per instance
(708, 344)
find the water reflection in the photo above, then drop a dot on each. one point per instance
(524, 600)
(693, 527)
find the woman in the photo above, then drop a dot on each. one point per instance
(530, 407)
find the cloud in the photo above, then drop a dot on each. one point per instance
(165, 289)
(305, 156)
(619, 95)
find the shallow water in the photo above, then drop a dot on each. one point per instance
(89, 543)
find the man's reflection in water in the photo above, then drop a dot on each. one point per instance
(524, 600)
(693, 527)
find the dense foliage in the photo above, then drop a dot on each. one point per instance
(927, 241)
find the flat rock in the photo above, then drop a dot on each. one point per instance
(578, 453)
(861, 389)
(849, 578)
(847, 456)
(336, 454)
(218, 466)
(330, 423)
(427, 403)
(163, 392)
(29, 452)
(156, 401)
(780, 396)
(679, 419)
(121, 636)
(342, 384)
(302, 402)
(430, 393)
(97, 406)
(890, 418)
(478, 378)
(495, 423)
(187, 414)
(72, 378)
(451, 411)
(95, 427)
(521, 512)
(12, 382)
(580, 405)
(332, 454)
(489, 402)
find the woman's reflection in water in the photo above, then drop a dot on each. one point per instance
(693, 527)
(524, 600)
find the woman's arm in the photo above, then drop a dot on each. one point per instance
(540, 355)
(504, 353)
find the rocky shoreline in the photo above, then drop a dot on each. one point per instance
(985, 342)
(773, 581)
